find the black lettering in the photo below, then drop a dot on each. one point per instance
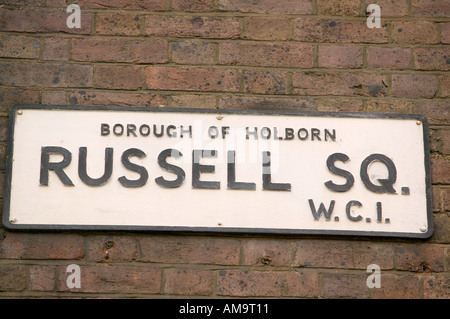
(197, 168)
(254, 133)
(305, 136)
(225, 131)
(266, 135)
(56, 167)
(332, 136)
(162, 161)
(322, 210)
(348, 212)
(189, 130)
(231, 167)
(131, 129)
(289, 134)
(170, 128)
(267, 176)
(142, 180)
(315, 133)
(333, 169)
(144, 130)
(82, 169)
(104, 129)
(161, 133)
(118, 132)
(386, 185)
(213, 131)
(275, 134)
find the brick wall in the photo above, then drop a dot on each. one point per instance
(228, 54)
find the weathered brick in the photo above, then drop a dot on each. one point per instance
(156, 5)
(239, 283)
(397, 287)
(188, 26)
(432, 58)
(440, 141)
(49, 75)
(194, 250)
(111, 279)
(265, 103)
(414, 32)
(126, 77)
(111, 248)
(414, 85)
(192, 282)
(266, 28)
(436, 111)
(441, 226)
(446, 199)
(120, 50)
(193, 101)
(118, 23)
(82, 97)
(13, 277)
(193, 5)
(193, 52)
(390, 8)
(339, 83)
(54, 97)
(389, 106)
(22, 2)
(338, 105)
(420, 258)
(200, 79)
(436, 286)
(268, 6)
(56, 49)
(38, 20)
(41, 246)
(339, 7)
(440, 170)
(3, 151)
(42, 278)
(388, 58)
(338, 31)
(335, 56)
(445, 33)
(343, 254)
(267, 252)
(266, 82)
(296, 55)
(336, 285)
(430, 8)
(444, 80)
(11, 96)
(19, 46)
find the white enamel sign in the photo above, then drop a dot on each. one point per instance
(114, 168)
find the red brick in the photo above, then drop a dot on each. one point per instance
(54, 97)
(343, 254)
(109, 279)
(13, 277)
(441, 227)
(338, 31)
(440, 170)
(388, 58)
(156, 5)
(268, 6)
(414, 85)
(82, 97)
(420, 258)
(390, 8)
(397, 287)
(335, 56)
(336, 285)
(445, 33)
(42, 278)
(440, 141)
(11, 96)
(339, 83)
(265, 82)
(338, 105)
(192, 26)
(239, 283)
(265, 103)
(50, 75)
(432, 58)
(19, 46)
(193, 52)
(38, 20)
(2, 159)
(435, 286)
(126, 77)
(192, 282)
(415, 32)
(22, 2)
(437, 111)
(56, 49)
(389, 106)
(297, 55)
(446, 199)
(445, 86)
(267, 252)
(193, 250)
(120, 50)
(339, 7)
(266, 28)
(111, 248)
(200, 79)
(430, 8)
(41, 246)
(118, 23)
(193, 5)
(193, 101)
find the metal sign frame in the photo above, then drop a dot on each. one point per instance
(218, 230)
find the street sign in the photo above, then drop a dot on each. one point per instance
(228, 171)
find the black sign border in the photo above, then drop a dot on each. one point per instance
(213, 230)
